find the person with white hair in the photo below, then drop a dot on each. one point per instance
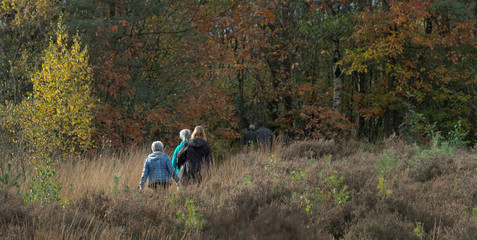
(184, 136)
(158, 169)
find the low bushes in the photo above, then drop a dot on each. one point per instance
(308, 190)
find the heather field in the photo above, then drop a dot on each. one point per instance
(305, 190)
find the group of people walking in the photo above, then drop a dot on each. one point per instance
(190, 157)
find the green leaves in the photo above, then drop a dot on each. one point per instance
(339, 195)
(45, 188)
(387, 162)
(9, 179)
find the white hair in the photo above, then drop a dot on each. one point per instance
(184, 134)
(157, 146)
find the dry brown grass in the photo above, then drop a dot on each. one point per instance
(262, 194)
(97, 174)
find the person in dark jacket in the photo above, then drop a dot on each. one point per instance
(157, 169)
(250, 137)
(265, 136)
(194, 155)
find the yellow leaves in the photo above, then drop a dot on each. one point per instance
(59, 40)
(58, 115)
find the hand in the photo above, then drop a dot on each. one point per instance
(139, 187)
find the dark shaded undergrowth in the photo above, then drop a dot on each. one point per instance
(308, 190)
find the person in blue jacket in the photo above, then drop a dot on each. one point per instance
(158, 169)
(184, 135)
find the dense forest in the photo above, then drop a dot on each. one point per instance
(78, 75)
(373, 104)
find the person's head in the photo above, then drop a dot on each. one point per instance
(199, 133)
(184, 134)
(157, 146)
(251, 127)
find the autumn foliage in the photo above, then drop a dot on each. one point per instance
(56, 116)
(305, 69)
(373, 104)
(419, 46)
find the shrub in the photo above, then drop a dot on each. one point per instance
(428, 168)
(45, 188)
(382, 225)
(9, 180)
(387, 162)
(317, 148)
(465, 229)
(335, 219)
(259, 195)
(457, 136)
(279, 221)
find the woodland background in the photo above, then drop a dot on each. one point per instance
(78, 75)
(373, 103)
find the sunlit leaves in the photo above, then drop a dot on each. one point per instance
(57, 115)
(413, 52)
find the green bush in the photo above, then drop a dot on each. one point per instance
(9, 181)
(457, 136)
(387, 162)
(45, 188)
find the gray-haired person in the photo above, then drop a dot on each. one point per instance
(184, 135)
(158, 169)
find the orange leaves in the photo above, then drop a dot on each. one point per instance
(323, 122)
(113, 78)
(267, 16)
(396, 43)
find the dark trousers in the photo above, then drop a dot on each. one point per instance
(158, 185)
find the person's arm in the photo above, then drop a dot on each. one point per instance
(209, 158)
(172, 171)
(145, 174)
(174, 156)
(182, 155)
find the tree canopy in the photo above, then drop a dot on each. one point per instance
(123, 72)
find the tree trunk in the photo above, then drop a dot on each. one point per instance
(336, 66)
(243, 120)
(362, 87)
(428, 25)
(336, 75)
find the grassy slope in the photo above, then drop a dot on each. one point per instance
(292, 192)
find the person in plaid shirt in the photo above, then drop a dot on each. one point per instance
(158, 169)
